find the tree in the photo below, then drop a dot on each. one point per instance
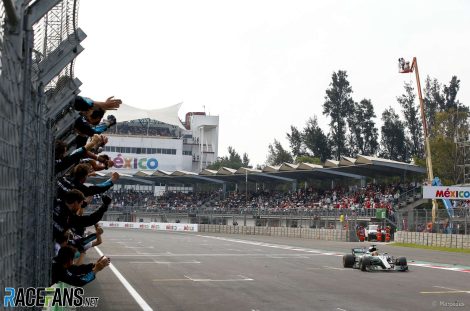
(233, 155)
(354, 138)
(233, 160)
(369, 143)
(393, 142)
(308, 159)
(338, 105)
(450, 94)
(277, 154)
(433, 99)
(315, 140)
(412, 120)
(445, 156)
(295, 141)
(246, 160)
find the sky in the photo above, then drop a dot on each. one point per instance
(262, 66)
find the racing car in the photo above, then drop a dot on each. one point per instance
(370, 260)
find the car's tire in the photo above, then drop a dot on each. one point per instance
(365, 263)
(401, 261)
(348, 261)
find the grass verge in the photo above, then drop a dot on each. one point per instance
(434, 248)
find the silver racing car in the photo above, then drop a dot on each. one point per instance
(369, 260)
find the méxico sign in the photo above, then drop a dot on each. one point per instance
(451, 193)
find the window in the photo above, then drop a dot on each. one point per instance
(145, 150)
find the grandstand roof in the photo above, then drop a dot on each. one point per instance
(168, 115)
(377, 167)
(356, 168)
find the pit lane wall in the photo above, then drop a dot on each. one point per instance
(433, 239)
(306, 233)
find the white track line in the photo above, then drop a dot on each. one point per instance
(138, 246)
(257, 255)
(140, 301)
(221, 280)
(167, 262)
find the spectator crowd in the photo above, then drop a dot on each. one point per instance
(142, 129)
(357, 199)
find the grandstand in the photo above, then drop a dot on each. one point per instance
(285, 195)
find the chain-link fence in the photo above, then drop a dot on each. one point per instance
(26, 144)
(420, 220)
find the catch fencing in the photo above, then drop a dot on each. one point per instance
(26, 137)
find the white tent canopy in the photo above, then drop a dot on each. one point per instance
(168, 115)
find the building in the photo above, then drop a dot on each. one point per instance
(149, 140)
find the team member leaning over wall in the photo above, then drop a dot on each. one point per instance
(77, 181)
(63, 161)
(63, 269)
(65, 213)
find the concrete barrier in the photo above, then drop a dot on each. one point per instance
(433, 239)
(306, 233)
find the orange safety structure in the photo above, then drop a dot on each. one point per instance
(387, 234)
(429, 227)
(379, 234)
(361, 234)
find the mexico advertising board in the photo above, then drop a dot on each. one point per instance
(451, 193)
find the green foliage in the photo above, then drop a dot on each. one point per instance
(233, 160)
(393, 142)
(295, 141)
(308, 159)
(315, 140)
(353, 136)
(412, 120)
(419, 161)
(246, 160)
(277, 154)
(363, 135)
(338, 106)
(450, 95)
(368, 130)
(434, 248)
(444, 152)
(433, 99)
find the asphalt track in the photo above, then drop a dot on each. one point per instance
(202, 271)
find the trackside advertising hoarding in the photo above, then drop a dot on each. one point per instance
(451, 193)
(160, 226)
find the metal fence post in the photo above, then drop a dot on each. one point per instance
(466, 212)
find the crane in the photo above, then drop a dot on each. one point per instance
(405, 67)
